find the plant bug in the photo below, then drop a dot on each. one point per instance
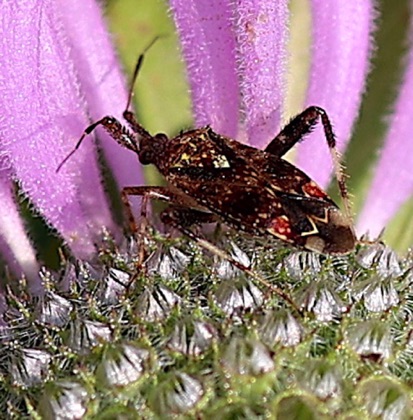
(215, 178)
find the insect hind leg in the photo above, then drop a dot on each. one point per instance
(295, 131)
(172, 217)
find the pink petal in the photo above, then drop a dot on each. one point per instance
(340, 63)
(208, 43)
(101, 79)
(15, 246)
(392, 184)
(43, 113)
(261, 30)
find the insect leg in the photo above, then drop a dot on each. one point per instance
(189, 216)
(146, 192)
(192, 216)
(171, 216)
(181, 218)
(296, 129)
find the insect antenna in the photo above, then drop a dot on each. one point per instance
(112, 125)
(137, 69)
(85, 133)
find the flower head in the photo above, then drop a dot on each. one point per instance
(59, 73)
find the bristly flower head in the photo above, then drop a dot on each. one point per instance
(59, 72)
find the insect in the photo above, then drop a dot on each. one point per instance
(215, 178)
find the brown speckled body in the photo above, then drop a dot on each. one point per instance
(253, 191)
(214, 177)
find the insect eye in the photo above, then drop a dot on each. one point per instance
(146, 157)
(161, 137)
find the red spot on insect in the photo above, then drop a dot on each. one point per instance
(311, 189)
(280, 226)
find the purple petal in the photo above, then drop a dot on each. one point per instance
(261, 30)
(101, 79)
(392, 184)
(208, 43)
(15, 246)
(43, 114)
(340, 63)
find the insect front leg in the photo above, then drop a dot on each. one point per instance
(295, 131)
(162, 194)
(147, 193)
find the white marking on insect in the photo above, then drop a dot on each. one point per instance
(221, 162)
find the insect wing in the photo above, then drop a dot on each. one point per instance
(315, 224)
(259, 193)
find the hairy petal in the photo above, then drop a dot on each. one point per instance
(44, 113)
(392, 184)
(15, 246)
(101, 79)
(261, 31)
(208, 44)
(340, 63)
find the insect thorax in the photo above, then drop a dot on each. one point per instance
(196, 149)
